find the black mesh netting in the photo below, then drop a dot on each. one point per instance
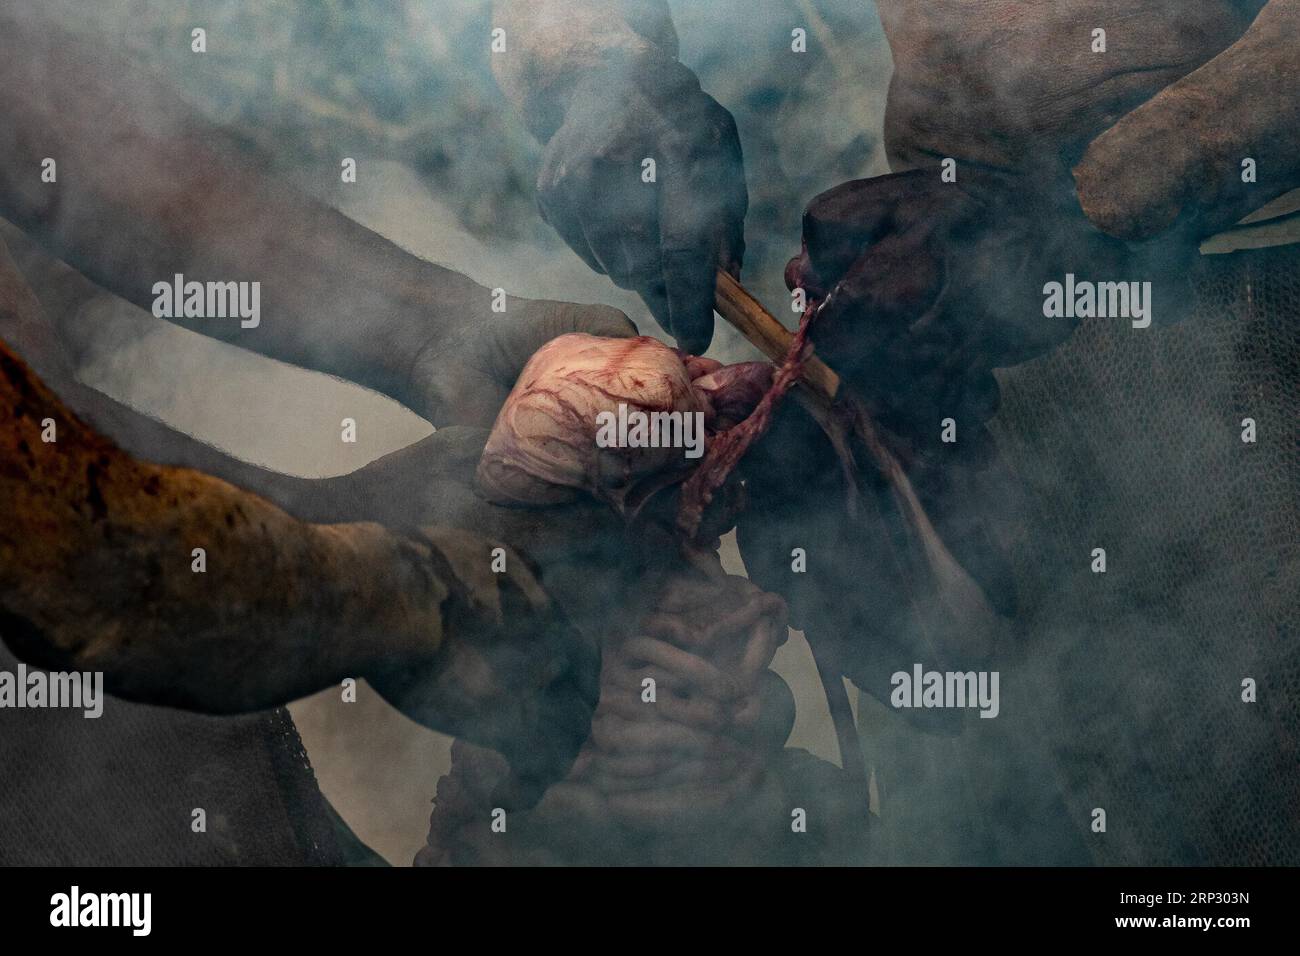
(119, 790)
(1131, 440)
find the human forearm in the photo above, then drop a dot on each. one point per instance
(44, 328)
(98, 572)
(147, 190)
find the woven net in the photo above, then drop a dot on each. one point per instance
(1131, 440)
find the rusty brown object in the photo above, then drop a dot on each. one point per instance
(96, 564)
(96, 555)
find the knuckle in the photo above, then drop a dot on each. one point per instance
(611, 322)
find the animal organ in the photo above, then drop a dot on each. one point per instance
(545, 447)
(685, 762)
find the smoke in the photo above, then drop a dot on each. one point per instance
(447, 173)
(1109, 442)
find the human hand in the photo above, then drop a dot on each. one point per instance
(463, 375)
(519, 670)
(930, 285)
(510, 673)
(1181, 154)
(664, 239)
(1011, 86)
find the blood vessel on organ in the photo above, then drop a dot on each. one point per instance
(680, 746)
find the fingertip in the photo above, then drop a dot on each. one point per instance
(690, 307)
(794, 270)
(693, 336)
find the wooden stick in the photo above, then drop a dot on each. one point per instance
(760, 327)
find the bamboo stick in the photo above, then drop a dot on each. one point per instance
(734, 303)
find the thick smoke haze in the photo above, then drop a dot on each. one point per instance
(446, 172)
(1114, 682)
